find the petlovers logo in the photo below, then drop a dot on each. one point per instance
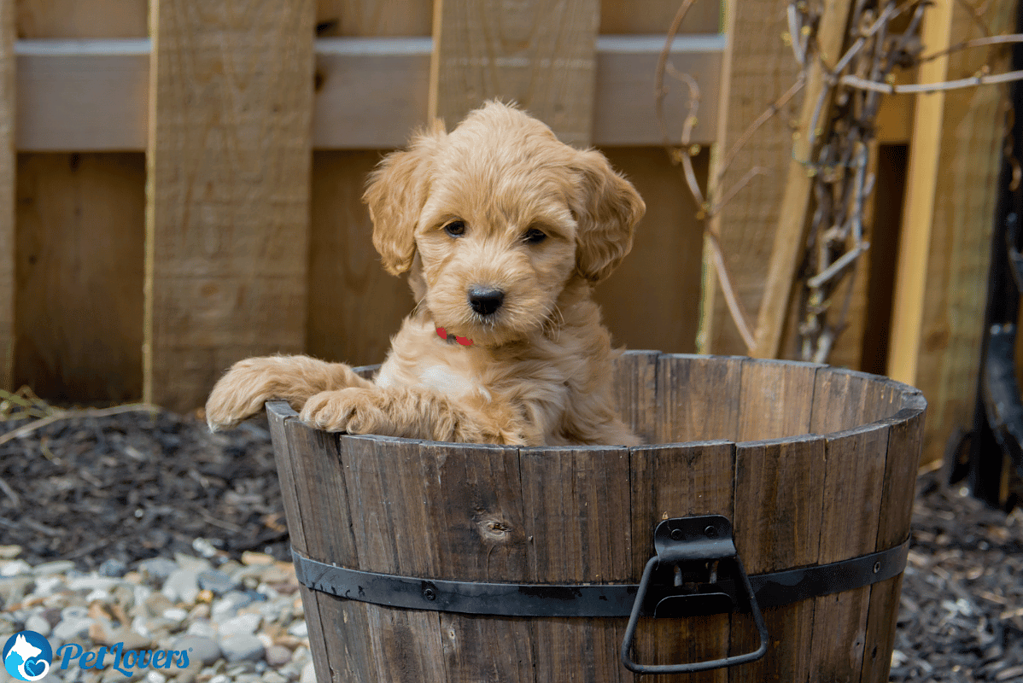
(27, 656)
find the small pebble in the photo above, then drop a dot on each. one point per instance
(243, 624)
(182, 586)
(9, 552)
(204, 649)
(113, 568)
(216, 581)
(242, 648)
(158, 567)
(277, 656)
(15, 568)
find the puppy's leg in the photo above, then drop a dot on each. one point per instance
(417, 413)
(251, 382)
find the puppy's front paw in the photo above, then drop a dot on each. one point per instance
(245, 388)
(353, 410)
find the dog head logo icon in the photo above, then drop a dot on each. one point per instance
(27, 656)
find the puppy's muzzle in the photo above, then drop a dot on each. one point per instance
(485, 300)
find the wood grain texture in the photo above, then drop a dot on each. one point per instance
(576, 502)
(949, 296)
(82, 18)
(905, 441)
(477, 530)
(228, 171)
(541, 55)
(777, 399)
(853, 481)
(698, 398)
(778, 496)
(789, 236)
(80, 255)
(288, 453)
(7, 193)
(758, 67)
(354, 305)
(374, 17)
(650, 301)
(392, 533)
(679, 480)
(635, 387)
(655, 17)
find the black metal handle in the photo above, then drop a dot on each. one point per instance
(706, 538)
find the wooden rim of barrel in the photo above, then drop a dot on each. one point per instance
(820, 467)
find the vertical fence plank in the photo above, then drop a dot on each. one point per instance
(80, 247)
(944, 255)
(7, 163)
(231, 93)
(539, 54)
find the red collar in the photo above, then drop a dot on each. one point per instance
(443, 334)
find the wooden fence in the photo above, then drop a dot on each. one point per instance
(180, 181)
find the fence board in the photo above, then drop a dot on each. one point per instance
(945, 253)
(79, 255)
(374, 17)
(82, 18)
(7, 163)
(756, 56)
(229, 165)
(354, 305)
(539, 54)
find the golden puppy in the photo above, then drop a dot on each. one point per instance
(503, 230)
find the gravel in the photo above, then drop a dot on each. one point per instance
(245, 635)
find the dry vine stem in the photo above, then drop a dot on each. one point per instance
(840, 149)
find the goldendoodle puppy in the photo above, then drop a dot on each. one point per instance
(503, 230)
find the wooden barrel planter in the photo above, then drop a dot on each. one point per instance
(789, 482)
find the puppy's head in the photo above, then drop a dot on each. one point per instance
(495, 218)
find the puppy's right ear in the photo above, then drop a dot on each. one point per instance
(396, 193)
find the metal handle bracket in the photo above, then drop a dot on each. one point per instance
(696, 570)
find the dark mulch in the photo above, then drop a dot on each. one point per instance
(961, 617)
(141, 484)
(138, 485)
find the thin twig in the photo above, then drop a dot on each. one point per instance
(72, 415)
(734, 305)
(764, 117)
(977, 42)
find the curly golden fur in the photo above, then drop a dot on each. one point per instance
(503, 231)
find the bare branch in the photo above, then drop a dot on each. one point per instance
(914, 88)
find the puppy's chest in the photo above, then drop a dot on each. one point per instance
(431, 373)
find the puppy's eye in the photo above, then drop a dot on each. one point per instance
(455, 228)
(534, 236)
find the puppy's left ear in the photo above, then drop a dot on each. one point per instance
(607, 208)
(396, 193)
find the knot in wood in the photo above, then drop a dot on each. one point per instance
(494, 529)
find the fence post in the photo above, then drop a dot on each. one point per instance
(542, 58)
(229, 157)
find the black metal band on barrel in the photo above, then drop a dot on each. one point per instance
(585, 600)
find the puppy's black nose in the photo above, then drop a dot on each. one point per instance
(485, 300)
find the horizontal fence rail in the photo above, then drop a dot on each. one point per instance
(92, 95)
